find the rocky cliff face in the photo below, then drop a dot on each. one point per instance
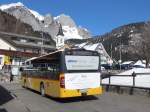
(10, 24)
(65, 20)
(120, 39)
(46, 23)
(116, 41)
(84, 33)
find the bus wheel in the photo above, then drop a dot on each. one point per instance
(42, 90)
(24, 83)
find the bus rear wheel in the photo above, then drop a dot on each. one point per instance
(42, 90)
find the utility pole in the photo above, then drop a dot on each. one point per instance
(42, 50)
(120, 53)
(120, 60)
(111, 50)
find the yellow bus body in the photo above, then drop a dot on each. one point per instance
(47, 73)
(52, 88)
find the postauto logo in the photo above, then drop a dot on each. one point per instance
(72, 61)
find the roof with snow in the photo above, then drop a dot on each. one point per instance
(91, 46)
(139, 62)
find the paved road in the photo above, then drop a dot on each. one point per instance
(29, 101)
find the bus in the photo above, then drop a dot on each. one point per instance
(65, 73)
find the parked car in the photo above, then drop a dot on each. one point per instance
(106, 66)
(123, 66)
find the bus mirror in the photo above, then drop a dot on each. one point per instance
(21, 69)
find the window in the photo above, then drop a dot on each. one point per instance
(32, 41)
(23, 40)
(47, 43)
(39, 43)
(29, 50)
(45, 70)
(35, 51)
(20, 49)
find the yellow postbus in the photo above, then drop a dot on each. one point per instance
(62, 74)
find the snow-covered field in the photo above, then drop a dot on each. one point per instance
(141, 80)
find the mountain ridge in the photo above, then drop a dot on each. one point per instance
(119, 38)
(46, 23)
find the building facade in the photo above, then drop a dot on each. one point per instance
(15, 48)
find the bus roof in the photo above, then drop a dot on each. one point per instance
(55, 53)
(46, 56)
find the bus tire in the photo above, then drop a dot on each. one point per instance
(42, 89)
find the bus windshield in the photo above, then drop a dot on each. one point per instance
(82, 61)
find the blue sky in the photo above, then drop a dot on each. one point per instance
(98, 16)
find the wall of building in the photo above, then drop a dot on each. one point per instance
(4, 60)
(1, 61)
(6, 46)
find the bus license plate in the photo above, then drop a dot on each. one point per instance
(83, 90)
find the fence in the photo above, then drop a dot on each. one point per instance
(132, 86)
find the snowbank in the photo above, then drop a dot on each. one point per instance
(140, 80)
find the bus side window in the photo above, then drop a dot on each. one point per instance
(50, 71)
(56, 72)
(23, 73)
(26, 72)
(34, 73)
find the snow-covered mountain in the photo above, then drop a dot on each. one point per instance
(7, 6)
(46, 23)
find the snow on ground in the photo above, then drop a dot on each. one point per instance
(140, 80)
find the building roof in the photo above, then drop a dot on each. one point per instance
(17, 53)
